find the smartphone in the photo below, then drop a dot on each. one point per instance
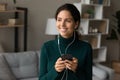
(67, 57)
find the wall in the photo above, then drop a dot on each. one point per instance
(39, 11)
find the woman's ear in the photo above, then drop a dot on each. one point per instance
(76, 26)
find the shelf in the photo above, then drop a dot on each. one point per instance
(99, 54)
(9, 26)
(92, 5)
(16, 20)
(102, 47)
(95, 11)
(97, 8)
(96, 2)
(9, 11)
(94, 40)
(95, 5)
(102, 26)
(104, 2)
(93, 26)
(94, 19)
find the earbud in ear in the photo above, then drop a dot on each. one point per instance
(75, 27)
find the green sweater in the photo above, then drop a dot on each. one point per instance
(50, 53)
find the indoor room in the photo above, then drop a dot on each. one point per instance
(26, 26)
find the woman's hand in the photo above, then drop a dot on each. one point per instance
(60, 65)
(72, 65)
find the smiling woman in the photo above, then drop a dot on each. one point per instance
(67, 57)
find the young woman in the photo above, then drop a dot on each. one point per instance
(54, 64)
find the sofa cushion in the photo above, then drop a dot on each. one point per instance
(38, 54)
(5, 72)
(99, 73)
(30, 79)
(95, 78)
(23, 64)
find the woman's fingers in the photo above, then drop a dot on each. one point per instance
(72, 65)
(59, 65)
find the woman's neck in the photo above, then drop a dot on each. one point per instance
(66, 37)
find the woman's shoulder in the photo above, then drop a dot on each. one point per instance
(85, 43)
(50, 42)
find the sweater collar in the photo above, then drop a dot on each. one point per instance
(65, 40)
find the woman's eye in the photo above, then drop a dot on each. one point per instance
(68, 20)
(59, 20)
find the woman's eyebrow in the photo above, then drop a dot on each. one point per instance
(66, 18)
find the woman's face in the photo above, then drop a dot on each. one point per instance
(65, 24)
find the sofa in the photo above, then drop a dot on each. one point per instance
(101, 72)
(19, 66)
(25, 66)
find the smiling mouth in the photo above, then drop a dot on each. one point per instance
(63, 30)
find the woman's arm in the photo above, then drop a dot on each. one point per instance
(85, 72)
(88, 64)
(44, 74)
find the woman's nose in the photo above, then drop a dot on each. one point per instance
(63, 23)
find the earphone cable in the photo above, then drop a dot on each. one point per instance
(63, 74)
(66, 70)
(67, 46)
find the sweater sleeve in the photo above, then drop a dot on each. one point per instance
(88, 64)
(44, 74)
(88, 68)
